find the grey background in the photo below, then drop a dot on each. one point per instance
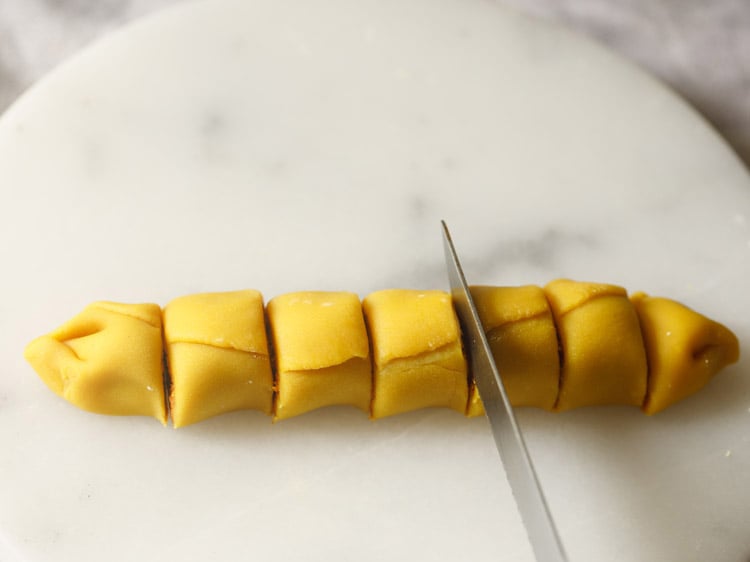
(701, 48)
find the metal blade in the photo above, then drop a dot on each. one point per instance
(519, 470)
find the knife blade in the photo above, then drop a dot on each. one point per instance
(519, 470)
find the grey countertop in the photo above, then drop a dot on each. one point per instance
(700, 48)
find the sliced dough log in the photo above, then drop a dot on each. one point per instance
(568, 345)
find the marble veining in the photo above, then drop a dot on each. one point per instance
(700, 49)
(180, 156)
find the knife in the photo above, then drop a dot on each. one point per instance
(519, 470)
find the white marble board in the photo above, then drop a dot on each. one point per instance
(315, 145)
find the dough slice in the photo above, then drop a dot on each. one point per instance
(523, 339)
(417, 352)
(107, 359)
(685, 350)
(218, 357)
(603, 354)
(322, 352)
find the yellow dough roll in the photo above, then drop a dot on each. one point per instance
(523, 339)
(568, 345)
(217, 354)
(417, 352)
(107, 359)
(603, 355)
(322, 352)
(684, 349)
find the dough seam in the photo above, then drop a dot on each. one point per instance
(422, 355)
(491, 328)
(103, 306)
(217, 346)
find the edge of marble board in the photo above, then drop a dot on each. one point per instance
(154, 18)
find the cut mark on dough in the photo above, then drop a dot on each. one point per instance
(647, 395)
(272, 360)
(371, 353)
(560, 357)
(166, 380)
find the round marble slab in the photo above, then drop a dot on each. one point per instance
(315, 145)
